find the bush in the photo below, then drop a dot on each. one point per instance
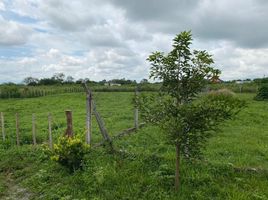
(70, 152)
(262, 93)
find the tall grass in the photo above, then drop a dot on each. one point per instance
(19, 91)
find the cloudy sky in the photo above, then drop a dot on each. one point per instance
(105, 39)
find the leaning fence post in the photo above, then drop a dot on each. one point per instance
(3, 126)
(69, 118)
(100, 122)
(17, 129)
(136, 112)
(102, 128)
(240, 88)
(50, 132)
(89, 118)
(34, 129)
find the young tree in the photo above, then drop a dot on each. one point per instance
(187, 119)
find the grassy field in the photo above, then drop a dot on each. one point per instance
(235, 164)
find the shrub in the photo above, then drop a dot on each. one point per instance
(70, 152)
(262, 93)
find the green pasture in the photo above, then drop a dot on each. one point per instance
(235, 163)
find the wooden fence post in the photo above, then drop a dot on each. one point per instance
(99, 120)
(3, 126)
(17, 129)
(136, 112)
(50, 132)
(69, 119)
(89, 118)
(34, 129)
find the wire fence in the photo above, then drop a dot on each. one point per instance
(20, 128)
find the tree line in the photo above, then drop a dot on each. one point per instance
(61, 78)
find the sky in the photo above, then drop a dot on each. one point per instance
(107, 39)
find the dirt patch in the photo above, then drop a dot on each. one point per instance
(15, 191)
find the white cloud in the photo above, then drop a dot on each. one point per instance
(236, 62)
(53, 53)
(25, 62)
(29, 8)
(112, 38)
(2, 6)
(12, 33)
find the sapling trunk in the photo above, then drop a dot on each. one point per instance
(177, 172)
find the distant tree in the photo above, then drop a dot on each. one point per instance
(48, 81)
(143, 81)
(86, 80)
(30, 81)
(79, 81)
(123, 81)
(186, 118)
(59, 77)
(69, 79)
(102, 82)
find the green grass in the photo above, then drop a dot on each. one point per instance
(235, 164)
(113, 107)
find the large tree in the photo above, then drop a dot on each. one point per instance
(186, 116)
